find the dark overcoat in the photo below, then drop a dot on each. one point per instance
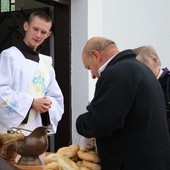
(127, 116)
(164, 80)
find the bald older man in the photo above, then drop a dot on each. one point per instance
(127, 115)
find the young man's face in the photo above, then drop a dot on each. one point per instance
(36, 32)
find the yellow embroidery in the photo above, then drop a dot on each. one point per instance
(37, 88)
(5, 102)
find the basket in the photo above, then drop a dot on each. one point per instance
(8, 140)
(8, 153)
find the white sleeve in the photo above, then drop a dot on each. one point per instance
(56, 96)
(14, 104)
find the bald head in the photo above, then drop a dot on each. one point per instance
(96, 52)
(97, 43)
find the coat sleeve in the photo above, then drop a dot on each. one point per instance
(108, 109)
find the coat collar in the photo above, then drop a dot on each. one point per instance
(126, 54)
(165, 72)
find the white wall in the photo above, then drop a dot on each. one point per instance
(85, 22)
(130, 23)
(79, 76)
(94, 28)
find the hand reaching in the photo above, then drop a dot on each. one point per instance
(89, 143)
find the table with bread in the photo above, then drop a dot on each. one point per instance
(29, 152)
(72, 157)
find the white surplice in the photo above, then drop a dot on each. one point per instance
(16, 74)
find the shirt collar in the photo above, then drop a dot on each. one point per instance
(104, 66)
(160, 72)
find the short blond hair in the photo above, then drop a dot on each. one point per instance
(41, 15)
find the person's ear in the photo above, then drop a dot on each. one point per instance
(25, 26)
(155, 61)
(96, 55)
(49, 33)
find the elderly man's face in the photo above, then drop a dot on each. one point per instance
(91, 64)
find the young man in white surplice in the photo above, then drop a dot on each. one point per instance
(29, 93)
